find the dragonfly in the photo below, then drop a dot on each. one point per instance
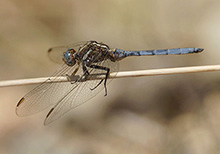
(80, 59)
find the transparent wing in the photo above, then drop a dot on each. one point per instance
(55, 53)
(46, 94)
(80, 93)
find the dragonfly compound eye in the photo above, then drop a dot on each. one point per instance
(68, 57)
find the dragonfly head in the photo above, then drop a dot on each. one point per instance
(68, 57)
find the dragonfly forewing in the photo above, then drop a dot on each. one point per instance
(55, 53)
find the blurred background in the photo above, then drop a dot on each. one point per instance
(159, 114)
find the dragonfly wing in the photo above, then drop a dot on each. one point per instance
(55, 53)
(79, 93)
(46, 94)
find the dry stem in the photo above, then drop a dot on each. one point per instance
(153, 72)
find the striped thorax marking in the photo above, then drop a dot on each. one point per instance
(100, 46)
(93, 48)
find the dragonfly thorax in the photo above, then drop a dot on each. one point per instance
(69, 57)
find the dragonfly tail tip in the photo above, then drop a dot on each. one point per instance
(200, 49)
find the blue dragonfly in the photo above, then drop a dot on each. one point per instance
(80, 59)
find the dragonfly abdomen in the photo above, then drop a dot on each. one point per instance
(119, 53)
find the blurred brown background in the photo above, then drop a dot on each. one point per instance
(162, 114)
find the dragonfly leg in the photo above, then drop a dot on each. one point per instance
(86, 72)
(69, 78)
(97, 85)
(72, 75)
(106, 76)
